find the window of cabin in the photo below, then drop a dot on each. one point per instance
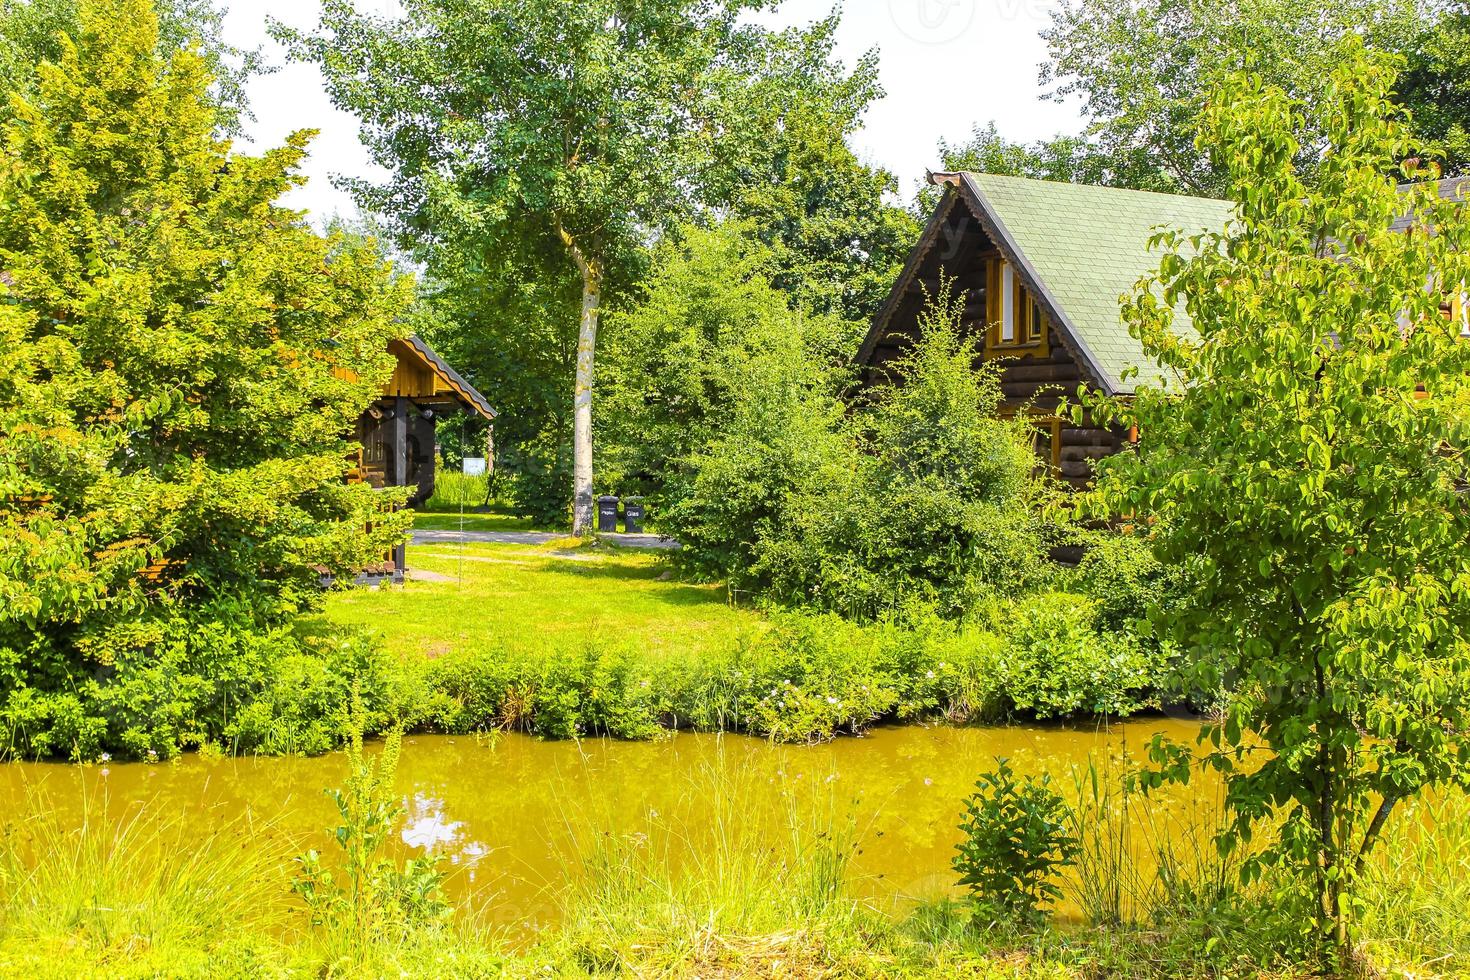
(1046, 440)
(1017, 322)
(1456, 309)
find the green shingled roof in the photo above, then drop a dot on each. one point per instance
(1087, 247)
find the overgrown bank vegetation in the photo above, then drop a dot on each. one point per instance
(584, 642)
(767, 897)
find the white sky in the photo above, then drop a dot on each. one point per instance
(945, 64)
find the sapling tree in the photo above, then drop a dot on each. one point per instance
(1304, 463)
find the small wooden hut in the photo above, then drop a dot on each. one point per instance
(396, 435)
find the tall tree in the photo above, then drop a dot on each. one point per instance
(1306, 467)
(514, 123)
(680, 357)
(836, 232)
(502, 317)
(1143, 70)
(579, 132)
(179, 361)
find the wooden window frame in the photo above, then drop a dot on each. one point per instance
(1052, 426)
(1009, 305)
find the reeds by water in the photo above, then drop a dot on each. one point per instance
(1140, 854)
(677, 892)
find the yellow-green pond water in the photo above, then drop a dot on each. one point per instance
(516, 817)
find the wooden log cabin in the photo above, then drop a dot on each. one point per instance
(396, 435)
(1042, 266)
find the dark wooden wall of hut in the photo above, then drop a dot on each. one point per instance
(1035, 382)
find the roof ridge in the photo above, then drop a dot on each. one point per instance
(1131, 191)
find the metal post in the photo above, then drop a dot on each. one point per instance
(400, 474)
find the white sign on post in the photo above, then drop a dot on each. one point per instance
(474, 466)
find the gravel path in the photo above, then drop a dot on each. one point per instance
(538, 537)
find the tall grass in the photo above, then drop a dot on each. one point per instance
(454, 490)
(138, 893)
(1149, 864)
(1418, 890)
(1143, 856)
(677, 897)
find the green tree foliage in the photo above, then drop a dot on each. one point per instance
(940, 505)
(1306, 469)
(527, 125)
(1066, 158)
(709, 322)
(502, 320)
(179, 361)
(1143, 71)
(730, 399)
(31, 30)
(726, 402)
(837, 239)
(1435, 84)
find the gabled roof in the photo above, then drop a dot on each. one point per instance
(1085, 248)
(1080, 249)
(447, 377)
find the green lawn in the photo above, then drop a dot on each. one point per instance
(535, 597)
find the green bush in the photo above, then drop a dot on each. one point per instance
(804, 678)
(712, 344)
(1017, 839)
(922, 495)
(1059, 661)
(300, 697)
(736, 509)
(217, 681)
(942, 507)
(1120, 572)
(539, 482)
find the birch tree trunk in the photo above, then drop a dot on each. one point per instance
(582, 503)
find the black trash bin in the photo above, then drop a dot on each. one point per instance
(607, 515)
(633, 515)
